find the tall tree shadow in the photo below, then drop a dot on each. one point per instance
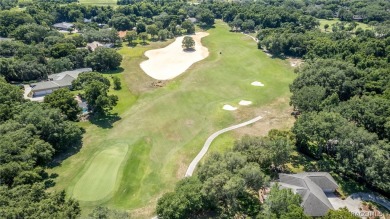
(105, 121)
(60, 156)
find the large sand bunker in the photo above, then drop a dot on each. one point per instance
(171, 61)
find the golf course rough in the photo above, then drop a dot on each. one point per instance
(99, 180)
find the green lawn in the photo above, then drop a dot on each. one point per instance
(99, 2)
(335, 20)
(104, 167)
(164, 128)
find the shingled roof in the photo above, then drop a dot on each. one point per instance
(311, 187)
(63, 79)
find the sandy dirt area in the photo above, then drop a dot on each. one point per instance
(171, 61)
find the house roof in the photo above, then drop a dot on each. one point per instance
(74, 73)
(63, 25)
(122, 34)
(357, 17)
(44, 85)
(63, 79)
(192, 19)
(96, 44)
(310, 186)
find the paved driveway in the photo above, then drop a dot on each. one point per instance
(354, 201)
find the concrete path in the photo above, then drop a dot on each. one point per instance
(208, 142)
(254, 38)
(354, 201)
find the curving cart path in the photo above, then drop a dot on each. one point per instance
(208, 142)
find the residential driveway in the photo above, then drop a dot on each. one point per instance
(27, 90)
(354, 201)
(351, 203)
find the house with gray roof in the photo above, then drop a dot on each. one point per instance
(357, 18)
(192, 19)
(63, 26)
(56, 81)
(311, 186)
(5, 39)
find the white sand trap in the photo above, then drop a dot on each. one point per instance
(229, 107)
(169, 62)
(257, 83)
(245, 102)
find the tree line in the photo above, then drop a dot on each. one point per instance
(227, 185)
(31, 135)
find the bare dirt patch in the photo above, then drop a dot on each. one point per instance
(276, 115)
(294, 62)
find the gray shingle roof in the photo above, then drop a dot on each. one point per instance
(45, 85)
(310, 186)
(74, 73)
(63, 25)
(63, 79)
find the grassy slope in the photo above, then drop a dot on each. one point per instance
(166, 127)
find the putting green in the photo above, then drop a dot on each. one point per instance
(99, 180)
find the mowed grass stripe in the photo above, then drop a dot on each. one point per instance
(99, 179)
(99, 2)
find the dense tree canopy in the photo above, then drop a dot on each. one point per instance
(31, 134)
(27, 201)
(188, 43)
(96, 88)
(64, 100)
(227, 185)
(104, 59)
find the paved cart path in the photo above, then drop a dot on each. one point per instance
(208, 142)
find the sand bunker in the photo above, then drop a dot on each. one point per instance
(245, 102)
(257, 83)
(229, 107)
(171, 61)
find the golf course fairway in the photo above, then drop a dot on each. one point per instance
(165, 126)
(99, 179)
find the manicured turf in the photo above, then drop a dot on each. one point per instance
(98, 180)
(335, 20)
(99, 2)
(165, 127)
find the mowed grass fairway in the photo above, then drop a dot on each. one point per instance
(99, 2)
(164, 128)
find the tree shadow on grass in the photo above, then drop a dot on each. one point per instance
(106, 121)
(64, 154)
(206, 27)
(133, 44)
(144, 43)
(303, 162)
(116, 71)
